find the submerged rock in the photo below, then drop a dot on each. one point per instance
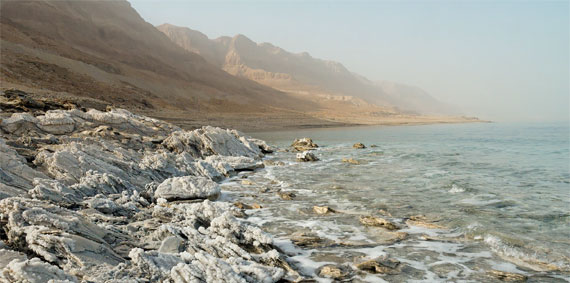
(507, 276)
(383, 265)
(323, 210)
(336, 272)
(377, 222)
(358, 145)
(306, 156)
(304, 144)
(286, 195)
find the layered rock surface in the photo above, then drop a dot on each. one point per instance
(111, 196)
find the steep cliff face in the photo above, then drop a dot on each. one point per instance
(298, 73)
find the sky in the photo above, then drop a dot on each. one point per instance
(498, 60)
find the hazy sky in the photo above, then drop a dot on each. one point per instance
(499, 60)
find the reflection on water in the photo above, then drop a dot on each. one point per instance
(468, 199)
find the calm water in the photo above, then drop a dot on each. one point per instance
(498, 193)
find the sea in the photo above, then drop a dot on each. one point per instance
(469, 200)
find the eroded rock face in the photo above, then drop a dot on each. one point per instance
(103, 197)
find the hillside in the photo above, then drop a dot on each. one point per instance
(299, 73)
(106, 51)
(102, 53)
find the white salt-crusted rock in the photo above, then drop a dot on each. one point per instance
(209, 141)
(97, 202)
(227, 164)
(15, 174)
(186, 188)
(56, 122)
(34, 271)
(20, 123)
(58, 235)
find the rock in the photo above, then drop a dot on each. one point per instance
(421, 221)
(286, 195)
(34, 271)
(171, 245)
(304, 144)
(187, 188)
(270, 162)
(247, 182)
(507, 276)
(310, 240)
(306, 156)
(336, 272)
(351, 161)
(377, 222)
(358, 146)
(323, 210)
(242, 205)
(100, 197)
(373, 145)
(382, 265)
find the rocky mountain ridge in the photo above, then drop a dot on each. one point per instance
(300, 73)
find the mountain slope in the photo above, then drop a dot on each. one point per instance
(105, 50)
(300, 73)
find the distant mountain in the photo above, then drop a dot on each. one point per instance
(299, 73)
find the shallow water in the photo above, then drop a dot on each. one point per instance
(497, 196)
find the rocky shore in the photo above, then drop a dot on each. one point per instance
(89, 195)
(110, 196)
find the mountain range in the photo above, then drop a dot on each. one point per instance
(105, 53)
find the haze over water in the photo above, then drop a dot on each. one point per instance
(500, 190)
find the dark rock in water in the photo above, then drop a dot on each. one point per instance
(306, 156)
(304, 144)
(507, 276)
(286, 195)
(383, 265)
(310, 240)
(358, 145)
(377, 222)
(373, 145)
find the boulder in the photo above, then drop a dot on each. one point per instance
(306, 156)
(304, 144)
(187, 188)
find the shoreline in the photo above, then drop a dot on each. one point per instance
(141, 198)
